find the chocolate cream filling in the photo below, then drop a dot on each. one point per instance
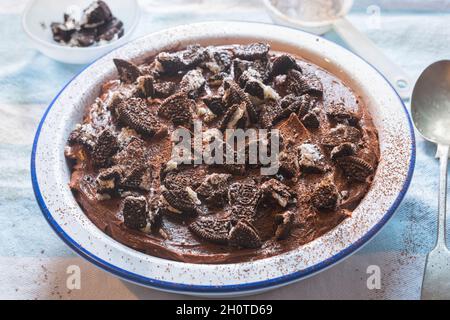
(125, 182)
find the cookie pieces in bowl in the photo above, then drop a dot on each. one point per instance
(124, 154)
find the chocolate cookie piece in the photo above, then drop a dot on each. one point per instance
(212, 230)
(355, 168)
(243, 198)
(282, 64)
(235, 95)
(109, 30)
(284, 223)
(62, 32)
(178, 192)
(134, 211)
(108, 180)
(133, 161)
(342, 134)
(214, 189)
(135, 114)
(193, 83)
(247, 75)
(233, 117)
(138, 177)
(96, 14)
(172, 63)
(178, 108)
(105, 147)
(133, 153)
(288, 100)
(85, 135)
(246, 193)
(340, 114)
(292, 104)
(311, 159)
(215, 104)
(325, 196)
(164, 90)
(145, 87)
(270, 114)
(311, 120)
(223, 58)
(244, 235)
(300, 84)
(155, 214)
(254, 51)
(289, 166)
(128, 71)
(277, 191)
(343, 150)
(83, 38)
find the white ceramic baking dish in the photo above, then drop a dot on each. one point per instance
(51, 174)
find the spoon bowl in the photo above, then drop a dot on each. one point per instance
(430, 104)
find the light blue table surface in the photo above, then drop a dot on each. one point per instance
(411, 35)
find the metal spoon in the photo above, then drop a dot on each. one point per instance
(430, 107)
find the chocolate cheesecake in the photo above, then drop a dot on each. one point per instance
(128, 182)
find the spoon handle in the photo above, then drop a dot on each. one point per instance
(366, 49)
(442, 153)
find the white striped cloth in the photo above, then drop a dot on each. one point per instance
(33, 261)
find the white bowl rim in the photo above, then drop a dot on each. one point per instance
(30, 34)
(233, 288)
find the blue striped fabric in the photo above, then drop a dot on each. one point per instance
(29, 81)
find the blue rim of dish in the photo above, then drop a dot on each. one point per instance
(204, 289)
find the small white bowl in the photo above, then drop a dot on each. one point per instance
(39, 14)
(318, 27)
(51, 174)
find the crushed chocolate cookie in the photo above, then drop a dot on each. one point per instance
(134, 211)
(282, 64)
(145, 87)
(172, 63)
(128, 181)
(128, 71)
(284, 223)
(233, 117)
(135, 114)
(342, 134)
(193, 83)
(133, 162)
(325, 196)
(214, 189)
(252, 51)
(235, 95)
(311, 120)
(105, 147)
(244, 235)
(278, 191)
(179, 194)
(215, 104)
(164, 90)
(178, 108)
(344, 150)
(96, 27)
(270, 114)
(247, 194)
(340, 114)
(311, 159)
(108, 180)
(355, 168)
(212, 230)
(299, 83)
